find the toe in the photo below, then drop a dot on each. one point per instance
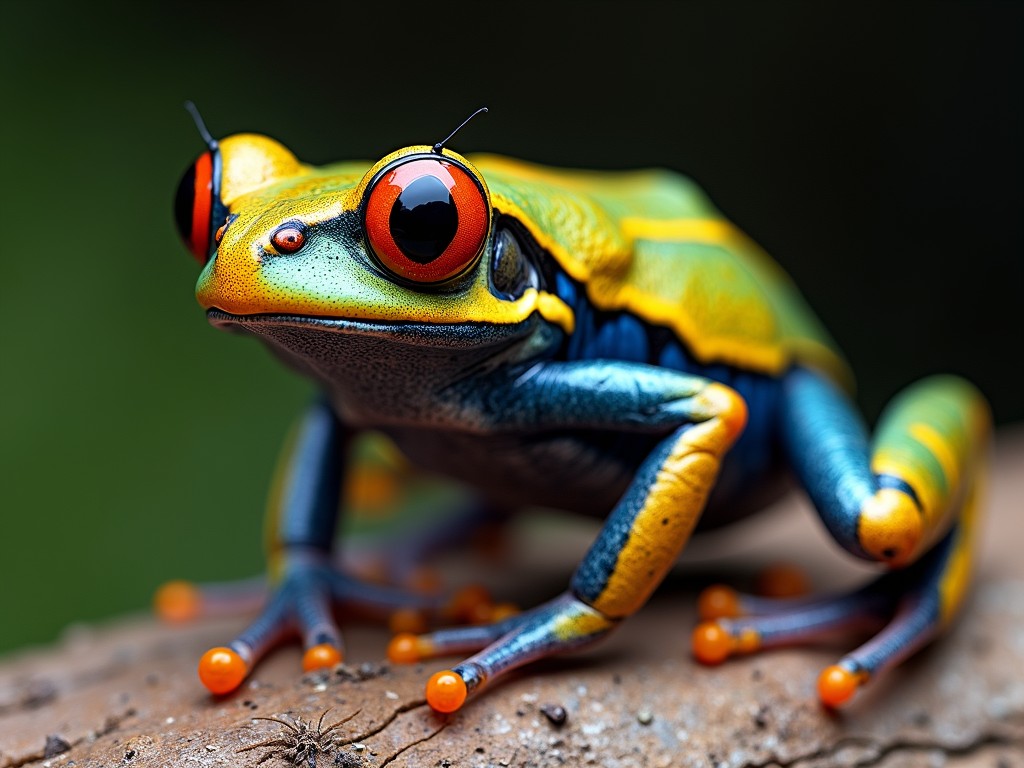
(177, 602)
(446, 691)
(321, 656)
(837, 685)
(222, 670)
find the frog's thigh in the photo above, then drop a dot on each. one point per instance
(892, 500)
(649, 527)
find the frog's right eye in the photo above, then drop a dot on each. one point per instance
(198, 210)
(426, 218)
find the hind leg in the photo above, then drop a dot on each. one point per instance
(908, 500)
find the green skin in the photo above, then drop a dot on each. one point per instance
(601, 346)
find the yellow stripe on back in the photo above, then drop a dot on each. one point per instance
(650, 243)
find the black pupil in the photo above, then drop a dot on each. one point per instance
(424, 219)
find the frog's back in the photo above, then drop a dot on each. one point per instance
(650, 244)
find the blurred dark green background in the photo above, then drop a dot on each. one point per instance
(874, 150)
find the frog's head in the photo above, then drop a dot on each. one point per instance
(408, 249)
(403, 241)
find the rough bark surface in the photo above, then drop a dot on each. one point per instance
(126, 693)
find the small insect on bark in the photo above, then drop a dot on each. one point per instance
(300, 742)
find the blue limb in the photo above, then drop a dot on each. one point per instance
(642, 536)
(305, 585)
(888, 500)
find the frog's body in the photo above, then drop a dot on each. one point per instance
(643, 269)
(599, 342)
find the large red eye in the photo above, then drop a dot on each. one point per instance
(197, 205)
(426, 219)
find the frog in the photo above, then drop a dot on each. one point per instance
(602, 342)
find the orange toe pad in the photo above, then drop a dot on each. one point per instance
(221, 670)
(836, 685)
(320, 657)
(446, 691)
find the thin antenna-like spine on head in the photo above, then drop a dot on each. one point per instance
(193, 110)
(440, 145)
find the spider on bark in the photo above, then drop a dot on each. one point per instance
(301, 742)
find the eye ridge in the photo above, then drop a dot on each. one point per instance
(424, 219)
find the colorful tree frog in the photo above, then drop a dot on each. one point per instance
(600, 342)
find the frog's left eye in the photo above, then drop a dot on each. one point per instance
(198, 210)
(426, 219)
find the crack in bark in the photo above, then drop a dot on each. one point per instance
(411, 744)
(881, 751)
(388, 721)
(110, 724)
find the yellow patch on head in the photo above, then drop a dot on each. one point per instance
(251, 161)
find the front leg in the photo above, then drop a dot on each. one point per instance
(301, 524)
(642, 536)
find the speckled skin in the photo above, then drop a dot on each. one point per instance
(651, 365)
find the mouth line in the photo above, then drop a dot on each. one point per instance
(469, 333)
